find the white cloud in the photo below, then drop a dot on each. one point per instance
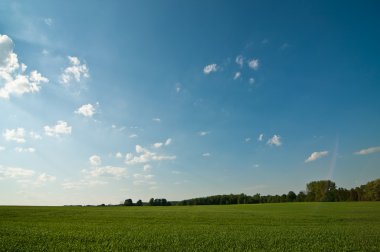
(95, 160)
(145, 156)
(61, 128)
(133, 136)
(316, 155)
(35, 135)
(28, 150)
(237, 75)
(87, 110)
(248, 139)
(12, 73)
(368, 151)
(239, 60)
(108, 171)
(15, 173)
(207, 154)
(203, 133)
(74, 72)
(17, 135)
(48, 21)
(260, 138)
(118, 155)
(210, 68)
(275, 140)
(82, 183)
(157, 145)
(2, 148)
(147, 168)
(253, 64)
(156, 119)
(251, 81)
(168, 141)
(43, 178)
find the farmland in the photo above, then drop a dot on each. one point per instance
(345, 226)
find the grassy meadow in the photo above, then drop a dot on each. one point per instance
(347, 226)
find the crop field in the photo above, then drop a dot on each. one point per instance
(263, 227)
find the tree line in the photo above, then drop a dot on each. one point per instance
(152, 202)
(316, 191)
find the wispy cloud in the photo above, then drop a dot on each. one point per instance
(237, 75)
(251, 81)
(275, 140)
(156, 120)
(203, 133)
(207, 154)
(316, 155)
(145, 156)
(368, 151)
(87, 110)
(239, 60)
(210, 68)
(74, 72)
(253, 64)
(61, 128)
(13, 75)
(260, 138)
(48, 21)
(27, 150)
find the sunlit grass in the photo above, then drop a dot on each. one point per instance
(275, 227)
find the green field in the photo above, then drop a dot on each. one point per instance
(351, 226)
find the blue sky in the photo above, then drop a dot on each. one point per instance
(100, 102)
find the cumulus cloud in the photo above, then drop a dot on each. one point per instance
(239, 60)
(95, 160)
(210, 68)
(147, 168)
(15, 82)
(168, 141)
(157, 145)
(74, 72)
(207, 154)
(253, 64)
(368, 151)
(145, 156)
(316, 155)
(237, 75)
(156, 119)
(17, 135)
(27, 150)
(248, 139)
(133, 136)
(275, 140)
(118, 155)
(61, 128)
(87, 110)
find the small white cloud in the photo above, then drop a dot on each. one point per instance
(207, 154)
(2, 148)
(203, 133)
(275, 140)
(95, 160)
(256, 165)
(147, 168)
(43, 178)
(316, 155)
(17, 135)
(27, 150)
(239, 60)
(145, 156)
(368, 151)
(210, 68)
(157, 145)
(118, 155)
(237, 75)
(260, 138)
(133, 136)
(156, 119)
(253, 64)
(87, 182)
(48, 21)
(251, 81)
(87, 110)
(108, 171)
(248, 139)
(13, 79)
(15, 173)
(75, 72)
(61, 128)
(168, 141)
(35, 135)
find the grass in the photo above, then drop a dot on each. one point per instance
(349, 226)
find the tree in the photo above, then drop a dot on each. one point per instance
(139, 203)
(128, 202)
(301, 197)
(322, 190)
(151, 202)
(291, 196)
